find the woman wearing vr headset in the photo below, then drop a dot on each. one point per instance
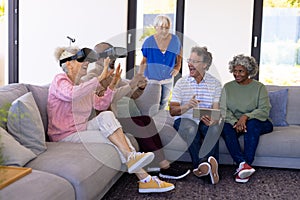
(142, 127)
(70, 103)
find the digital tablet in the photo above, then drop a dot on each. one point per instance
(214, 114)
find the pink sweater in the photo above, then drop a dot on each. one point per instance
(69, 106)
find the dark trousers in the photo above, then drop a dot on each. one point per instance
(144, 130)
(255, 128)
(194, 134)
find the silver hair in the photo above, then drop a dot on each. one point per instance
(248, 62)
(162, 20)
(64, 68)
(206, 55)
(60, 50)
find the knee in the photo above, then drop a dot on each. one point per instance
(228, 130)
(106, 116)
(252, 123)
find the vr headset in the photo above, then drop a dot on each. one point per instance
(89, 55)
(114, 53)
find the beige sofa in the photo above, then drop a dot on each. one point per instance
(65, 171)
(279, 148)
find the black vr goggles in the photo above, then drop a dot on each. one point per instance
(89, 55)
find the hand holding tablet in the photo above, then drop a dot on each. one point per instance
(214, 114)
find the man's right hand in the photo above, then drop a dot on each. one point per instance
(193, 102)
(137, 80)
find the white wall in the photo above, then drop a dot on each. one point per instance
(225, 27)
(44, 25)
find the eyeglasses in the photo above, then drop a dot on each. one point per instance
(194, 61)
(163, 27)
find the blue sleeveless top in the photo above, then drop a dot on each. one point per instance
(160, 65)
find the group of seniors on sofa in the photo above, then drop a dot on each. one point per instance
(243, 102)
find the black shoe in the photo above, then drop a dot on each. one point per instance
(173, 172)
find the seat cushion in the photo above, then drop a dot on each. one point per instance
(39, 185)
(281, 142)
(88, 167)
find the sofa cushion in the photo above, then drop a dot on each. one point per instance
(13, 153)
(293, 105)
(40, 95)
(39, 185)
(8, 94)
(126, 107)
(148, 102)
(25, 123)
(278, 100)
(282, 142)
(89, 167)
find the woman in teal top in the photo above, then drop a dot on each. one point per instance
(245, 105)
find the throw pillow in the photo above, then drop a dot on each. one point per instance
(24, 123)
(40, 95)
(278, 100)
(148, 102)
(126, 107)
(8, 94)
(13, 153)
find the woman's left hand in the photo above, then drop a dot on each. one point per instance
(105, 73)
(116, 77)
(174, 72)
(240, 126)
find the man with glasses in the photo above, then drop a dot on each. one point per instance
(197, 90)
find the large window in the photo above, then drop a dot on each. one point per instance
(280, 43)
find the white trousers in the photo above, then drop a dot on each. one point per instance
(98, 130)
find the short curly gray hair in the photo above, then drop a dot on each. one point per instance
(248, 62)
(206, 55)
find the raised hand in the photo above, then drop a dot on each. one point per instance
(105, 73)
(193, 102)
(116, 77)
(138, 80)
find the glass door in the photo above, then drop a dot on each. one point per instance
(280, 43)
(3, 42)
